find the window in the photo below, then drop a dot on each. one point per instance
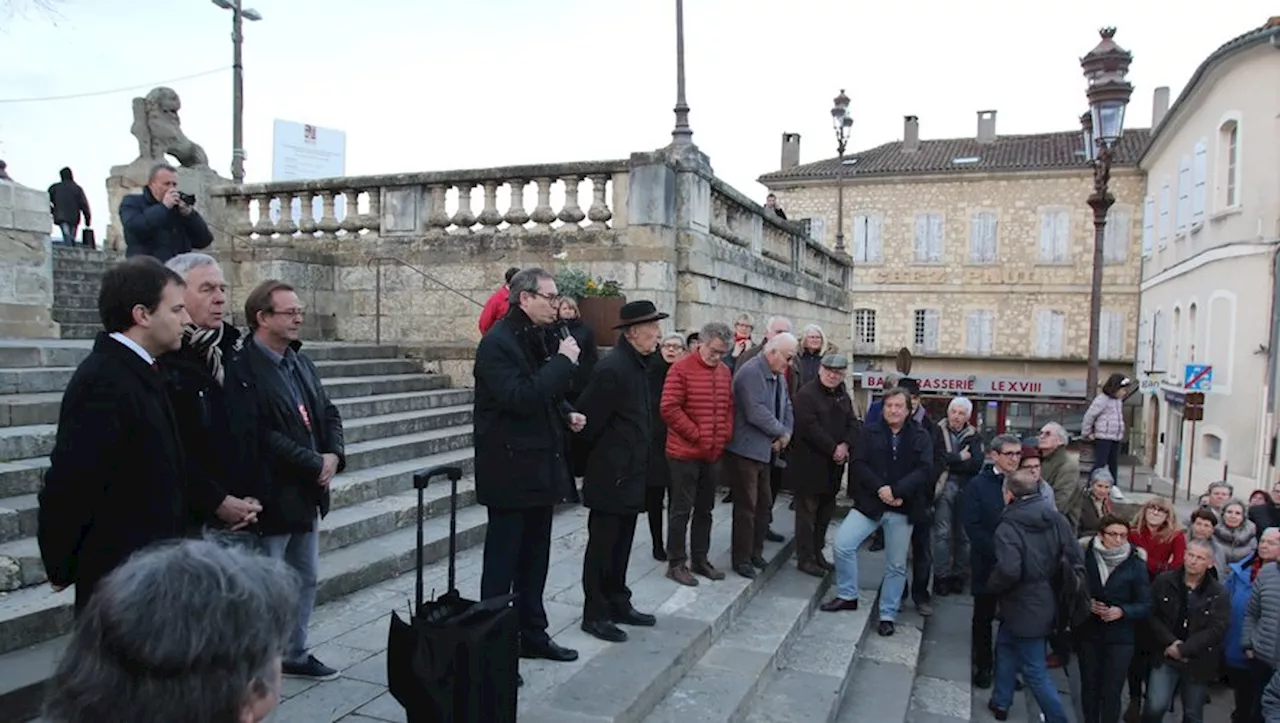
(1229, 164)
(1212, 446)
(1055, 236)
(867, 247)
(1165, 200)
(1051, 327)
(864, 326)
(1115, 236)
(928, 238)
(1148, 225)
(982, 238)
(926, 339)
(979, 331)
(1184, 194)
(1111, 334)
(1199, 169)
(1158, 342)
(818, 230)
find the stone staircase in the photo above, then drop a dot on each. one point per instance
(77, 275)
(397, 419)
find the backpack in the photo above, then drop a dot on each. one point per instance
(1071, 587)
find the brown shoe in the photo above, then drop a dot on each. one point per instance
(837, 604)
(824, 563)
(809, 567)
(707, 570)
(681, 574)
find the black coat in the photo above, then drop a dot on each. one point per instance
(291, 450)
(117, 472)
(981, 510)
(619, 432)
(1029, 541)
(150, 229)
(659, 469)
(823, 419)
(218, 426)
(520, 416)
(1128, 588)
(587, 359)
(1206, 624)
(875, 464)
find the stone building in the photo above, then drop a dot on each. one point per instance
(976, 254)
(1211, 261)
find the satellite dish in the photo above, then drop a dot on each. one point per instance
(903, 360)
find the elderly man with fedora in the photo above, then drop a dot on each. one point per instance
(619, 432)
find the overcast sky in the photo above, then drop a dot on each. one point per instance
(442, 84)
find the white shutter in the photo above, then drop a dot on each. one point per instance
(1057, 332)
(1148, 225)
(935, 237)
(875, 249)
(982, 237)
(818, 230)
(1062, 236)
(987, 320)
(860, 238)
(1046, 236)
(931, 330)
(1199, 173)
(922, 238)
(1115, 237)
(1044, 332)
(1111, 333)
(1166, 201)
(1184, 193)
(972, 333)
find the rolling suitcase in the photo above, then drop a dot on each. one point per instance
(455, 660)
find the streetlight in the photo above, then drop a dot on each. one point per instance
(842, 122)
(238, 16)
(1105, 68)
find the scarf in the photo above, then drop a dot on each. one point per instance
(1238, 541)
(208, 344)
(1109, 559)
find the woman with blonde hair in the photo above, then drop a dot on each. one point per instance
(813, 346)
(1155, 529)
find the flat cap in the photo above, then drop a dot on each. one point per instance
(835, 361)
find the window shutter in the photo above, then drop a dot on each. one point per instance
(1184, 193)
(1044, 332)
(1115, 331)
(922, 237)
(860, 238)
(931, 330)
(989, 236)
(1166, 201)
(818, 230)
(1046, 236)
(935, 237)
(1199, 180)
(973, 333)
(988, 321)
(1057, 331)
(1115, 237)
(1062, 236)
(976, 239)
(1148, 225)
(875, 251)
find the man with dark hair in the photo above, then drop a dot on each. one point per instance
(496, 307)
(158, 222)
(302, 450)
(67, 203)
(117, 472)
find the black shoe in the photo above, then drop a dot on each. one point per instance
(604, 630)
(659, 554)
(745, 569)
(548, 651)
(885, 629)
(838, 604)
(877, 544)
(772, 536)
(759, 562)
(519, 680)
(942, 586)
(728, 497)
(999, 713)
(631, 616)
(982, 677)
(312, 669)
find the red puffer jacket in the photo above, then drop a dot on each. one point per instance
(697, 405)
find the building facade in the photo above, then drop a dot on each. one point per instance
(1209, 293)
(975, 254)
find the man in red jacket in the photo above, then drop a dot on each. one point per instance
(697, 405)
(496, 307)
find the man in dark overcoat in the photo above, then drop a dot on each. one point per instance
(116, 476)
(521, 467)
(619, 433)
(825, 428)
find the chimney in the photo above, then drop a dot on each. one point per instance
(910, 133)
(986, 126)
(790, 150)
(1159, 105)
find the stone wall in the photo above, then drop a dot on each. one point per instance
(26, 264)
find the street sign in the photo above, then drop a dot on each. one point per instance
(1198, 377)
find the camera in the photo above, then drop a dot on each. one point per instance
(187, 198)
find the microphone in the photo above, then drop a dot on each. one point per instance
(564, 331)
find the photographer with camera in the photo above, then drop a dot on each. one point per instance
(162, 222)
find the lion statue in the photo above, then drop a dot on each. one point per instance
(159, 130)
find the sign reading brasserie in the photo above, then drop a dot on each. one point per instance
(987, 385)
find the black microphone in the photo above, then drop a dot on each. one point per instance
(564, 331)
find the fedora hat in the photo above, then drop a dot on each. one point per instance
(638, 312)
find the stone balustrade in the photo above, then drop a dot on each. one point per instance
(482, 201)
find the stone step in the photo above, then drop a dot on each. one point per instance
(63, 252)
(87, 299)
(98, 265)
(338, 381)
(22, 353)
(744, 659)
(75, 316)
(93, 277)
(80, 285)
(79, 331)
(883, 676)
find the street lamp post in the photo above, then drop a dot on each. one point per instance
(1105, 68)
(841, 121)
(682, 134)
(238, 16)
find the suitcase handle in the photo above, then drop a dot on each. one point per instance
(420, 481)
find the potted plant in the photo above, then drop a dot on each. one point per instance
(599, 301)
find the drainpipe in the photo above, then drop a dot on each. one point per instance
(1137, 366)
(1269, 441)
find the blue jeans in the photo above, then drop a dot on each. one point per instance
(1025, 654)
(300, 551)
(855, 529)
(68, 232)
(1161, 682)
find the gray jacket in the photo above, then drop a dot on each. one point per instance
(1271, 700)
(757, 392)
(1262, 616)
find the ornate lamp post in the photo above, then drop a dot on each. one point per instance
(842, 122)
(1105, 68)
(238, 16)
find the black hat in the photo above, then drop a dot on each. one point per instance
(911, 386)
(638, 312)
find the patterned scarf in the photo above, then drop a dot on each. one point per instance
(208, 344)
(1110, 558)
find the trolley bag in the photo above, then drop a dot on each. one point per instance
(455, 660)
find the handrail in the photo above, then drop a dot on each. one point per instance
(377, 298)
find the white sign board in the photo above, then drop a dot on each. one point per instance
(302, 152)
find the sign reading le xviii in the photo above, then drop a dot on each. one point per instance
(974, 276)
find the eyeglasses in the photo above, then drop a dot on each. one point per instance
(548, 297)
(1158, 510)
(674, 347)
(1116, 535)
(296, 313)
(1010, 453)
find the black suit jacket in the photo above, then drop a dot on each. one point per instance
(117, 473)
(291, 464)
(150, 229)
(619, 432)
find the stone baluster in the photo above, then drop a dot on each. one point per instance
(239, 206)
(307, 213)
(439, 220)
(329, 219)
(543, 214)
(571, 214)
(489, 218)
(264, 227)
(285, 225)
(516, 217)
(463, 218)
(351, 222)
(599, 213)
(373, 219)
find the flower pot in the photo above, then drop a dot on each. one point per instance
(601, 314)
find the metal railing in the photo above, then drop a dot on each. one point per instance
(377, 262)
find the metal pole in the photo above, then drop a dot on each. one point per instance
(683, 134)
(237, 94)
(840, 203)
(377, 306)
(1191, 461)
(1100, 201)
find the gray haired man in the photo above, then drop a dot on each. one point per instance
(963, 454)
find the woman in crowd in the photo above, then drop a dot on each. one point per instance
(1156, 530)
(670, 350)
(1239, 585)
(1104, 423)
(1235, 533)
(570, 320)
(1119, 595)
(742, 342)
(1097, 504)
(813, 346)
(1260, 636)
(1259, 497)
